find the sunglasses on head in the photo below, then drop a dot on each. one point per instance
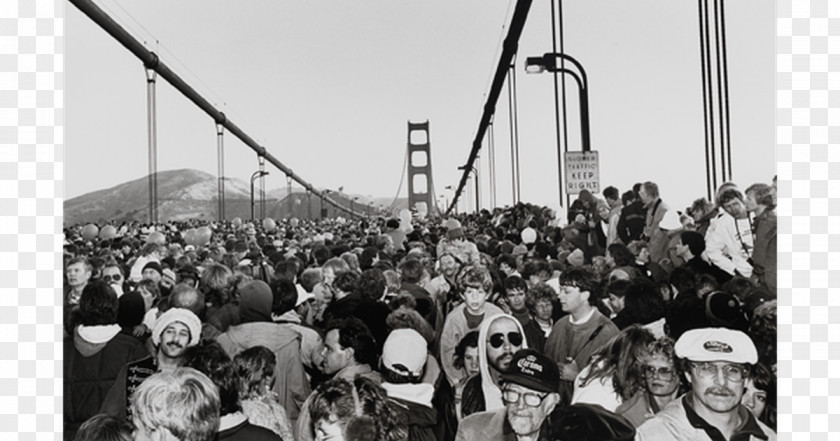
(498, 339)
(109, 278)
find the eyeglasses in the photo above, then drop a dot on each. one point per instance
(115, 278)
(532, 399)
(732, 372)
(498, 339)
(664, 373)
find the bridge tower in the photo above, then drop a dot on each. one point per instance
(420, 186)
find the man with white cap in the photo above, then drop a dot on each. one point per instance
(716, 362)
(403, 364)
(175, 330)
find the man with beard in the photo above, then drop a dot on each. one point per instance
(716, 362)
(529, 393)
(499, 337)
(175, 330)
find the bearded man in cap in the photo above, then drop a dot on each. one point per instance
(529, 392)
(175, 330)
(257, 329)
(716, 362)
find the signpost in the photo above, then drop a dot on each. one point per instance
(582, 172)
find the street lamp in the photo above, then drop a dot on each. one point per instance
(549, 62)
(257, 174)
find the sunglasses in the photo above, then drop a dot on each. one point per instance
(115, 278)
(498, 339)
(664, 373)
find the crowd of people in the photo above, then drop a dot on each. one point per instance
(622, 319)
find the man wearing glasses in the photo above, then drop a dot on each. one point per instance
(529, 392)
(499, 338)
(716, 362)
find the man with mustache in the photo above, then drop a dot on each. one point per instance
(499, 337)
(716, 362)
(175, 330)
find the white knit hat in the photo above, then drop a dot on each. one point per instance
(182, 315)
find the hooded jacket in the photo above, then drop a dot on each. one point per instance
(93, 358)
(454, 329)
(481, 393)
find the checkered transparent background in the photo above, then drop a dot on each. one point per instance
(31, 190)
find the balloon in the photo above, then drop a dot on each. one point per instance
(269, 225)
(190, 237)
(203, 235)
(405, 220)
(90, 231)
(157, 237)
(294, 222)
(107, 232)
(528, 235)
(237, 222)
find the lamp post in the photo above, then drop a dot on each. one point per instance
(549, 62)
(257, 174)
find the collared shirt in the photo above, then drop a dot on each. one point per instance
(748, 427)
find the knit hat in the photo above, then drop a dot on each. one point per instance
(716, 344)
(404, 352)
(155, 266)
(576, 258)
(590, 422)
(533, 370)
(255, 300)
(182, 315)
(131, 310)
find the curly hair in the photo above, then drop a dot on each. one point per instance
(584, 279)
(539, 292)
(211, 360)
(361, 401)
(621, 358)
(347, 281)
(253, 366)
(184, 402)
(475, 276)
(372, 284)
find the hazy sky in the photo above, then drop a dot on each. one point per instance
(328, 88)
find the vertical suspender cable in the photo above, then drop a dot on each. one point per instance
(491, 147)
(513, 168)
(220, 159)
(719, 82)
(709, 90)
(516, 130)
(725, 86)
(557, 107)
(151, 121)
(706, 136)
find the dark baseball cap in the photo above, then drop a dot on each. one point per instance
(533, 370)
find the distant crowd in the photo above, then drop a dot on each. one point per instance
(624, 319)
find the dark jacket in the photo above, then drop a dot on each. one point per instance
(631, 222)
(534, 335)
(421, 420)
(472, 399)
(246, 431)
(89, 372)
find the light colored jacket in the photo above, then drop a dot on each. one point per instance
(672, 424)
(723, 247)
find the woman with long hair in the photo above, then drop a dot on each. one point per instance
(614, 373)
(254, 369)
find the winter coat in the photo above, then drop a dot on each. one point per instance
(93, 358)
(657, 237)
(764, 253)
(414, 404)
(290, 383)
(631, 222)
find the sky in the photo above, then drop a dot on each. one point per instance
(328, 89)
